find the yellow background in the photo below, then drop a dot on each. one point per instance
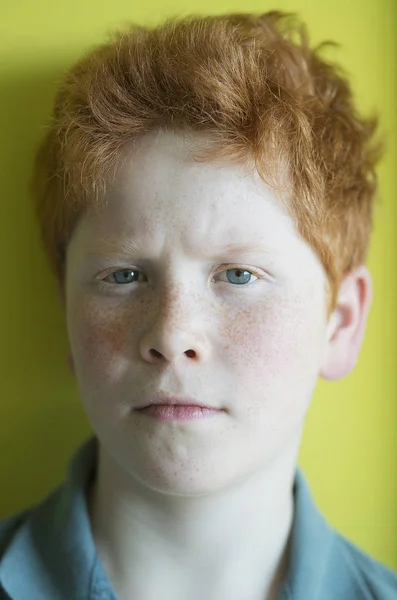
(349, 450)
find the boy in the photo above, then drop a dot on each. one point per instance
(205, 195)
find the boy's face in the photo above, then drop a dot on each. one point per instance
(191, 321)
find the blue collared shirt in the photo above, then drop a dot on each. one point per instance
(47, 552)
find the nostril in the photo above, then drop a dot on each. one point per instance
(156, 354)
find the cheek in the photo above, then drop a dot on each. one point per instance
(268, 335)
(274, 351)
(100, 338)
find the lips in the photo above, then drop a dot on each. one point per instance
(159, 400)
(161, 412)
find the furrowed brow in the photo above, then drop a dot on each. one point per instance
(249, 248)
(125, 246)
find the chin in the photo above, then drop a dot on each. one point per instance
(189, 476)
(184, 484)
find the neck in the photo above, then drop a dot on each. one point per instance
(194, 540)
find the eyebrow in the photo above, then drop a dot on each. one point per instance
(249, 247)
(122, 247)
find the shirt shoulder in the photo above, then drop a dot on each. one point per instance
(375, 580)
(326, 565)
(9, 526)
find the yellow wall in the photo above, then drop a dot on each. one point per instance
(349, 451)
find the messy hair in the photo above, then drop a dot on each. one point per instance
(252, 82)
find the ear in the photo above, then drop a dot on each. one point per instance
(60, 288)
(346, 326)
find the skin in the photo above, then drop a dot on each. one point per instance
(244, 331)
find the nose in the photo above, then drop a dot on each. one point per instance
(176, 331)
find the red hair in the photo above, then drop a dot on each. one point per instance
(255, 85)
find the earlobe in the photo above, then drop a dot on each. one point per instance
(346, 327)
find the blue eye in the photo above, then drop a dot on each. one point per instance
(124, 275)
(242, 276)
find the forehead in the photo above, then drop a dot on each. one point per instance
(166, 157)
(158, 177)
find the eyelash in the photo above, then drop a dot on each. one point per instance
(106, 284)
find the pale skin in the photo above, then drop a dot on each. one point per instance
(199, 509)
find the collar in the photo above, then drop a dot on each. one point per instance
(54, 547)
